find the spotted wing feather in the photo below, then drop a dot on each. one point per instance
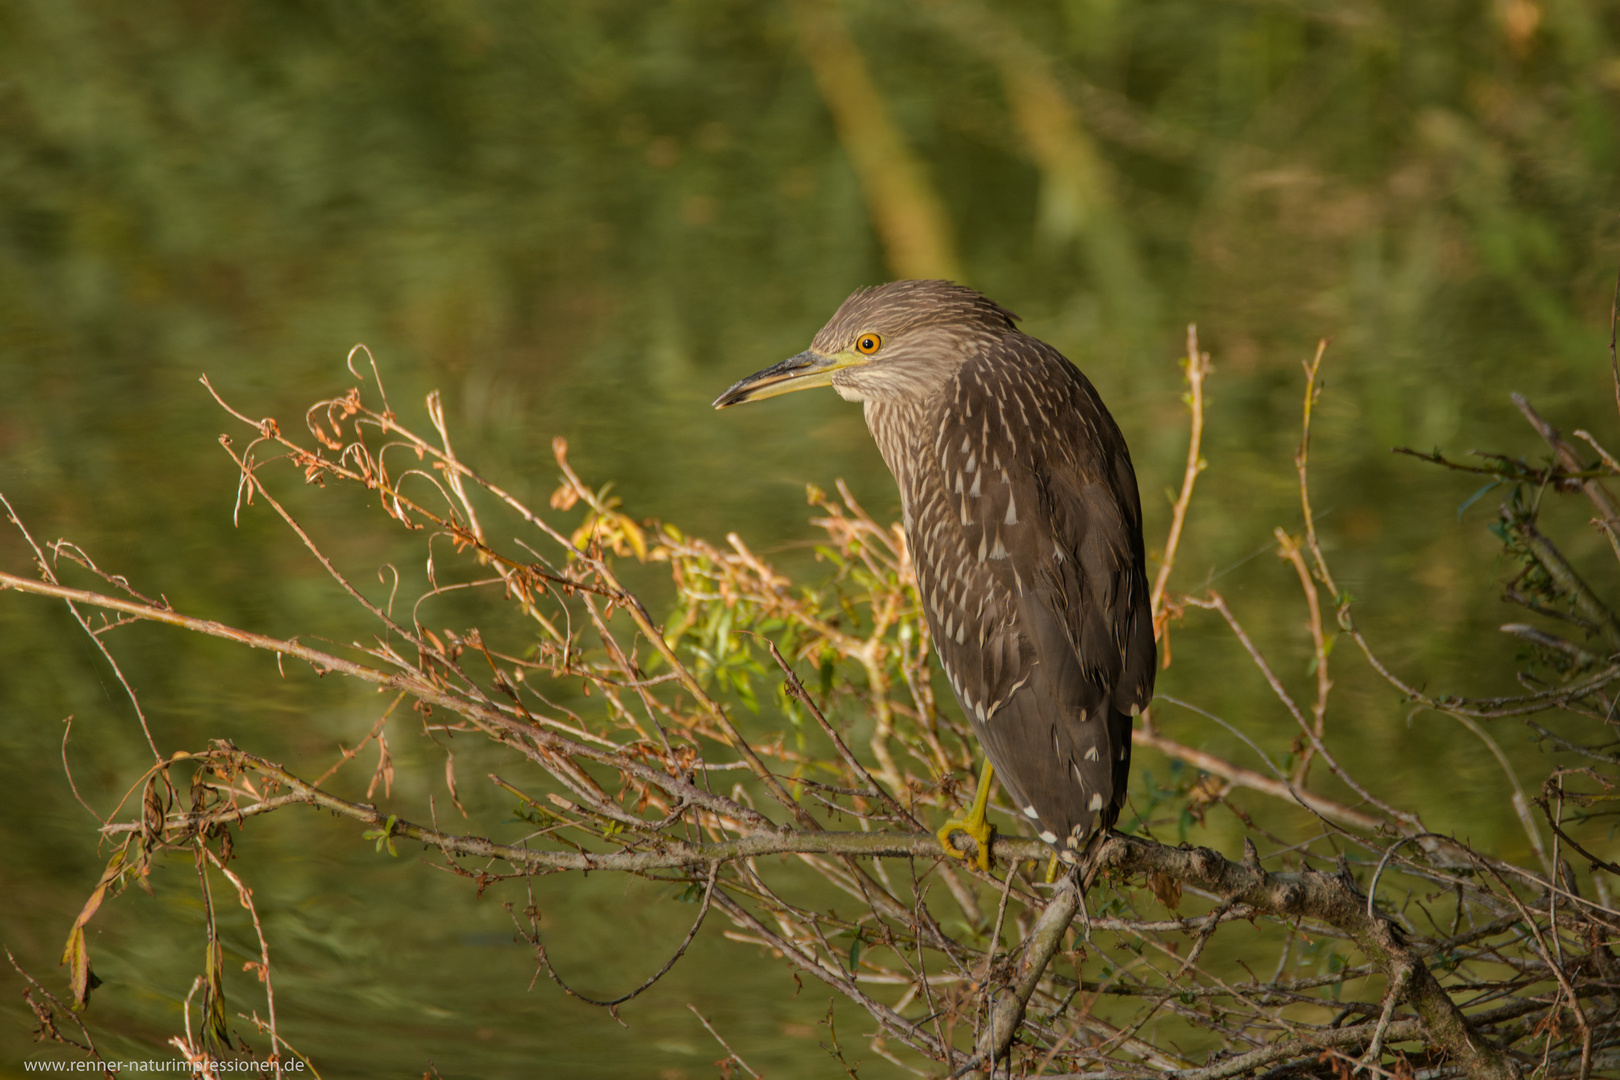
(1028, 545)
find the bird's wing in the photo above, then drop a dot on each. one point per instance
(1029, 554)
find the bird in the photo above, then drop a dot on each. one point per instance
(1021, 512)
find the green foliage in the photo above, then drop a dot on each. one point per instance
(1180, 802)
(384, 836)
(860, 630)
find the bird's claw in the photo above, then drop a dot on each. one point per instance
(981, 832)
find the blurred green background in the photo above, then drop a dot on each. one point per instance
(586, 219)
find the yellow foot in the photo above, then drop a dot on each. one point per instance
(981, 831)
(973, 824)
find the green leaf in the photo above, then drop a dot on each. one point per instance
(830, 554)
(1475, 497)
(217, 1026)
(384, 836)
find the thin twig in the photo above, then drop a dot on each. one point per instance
(1195, 366)
(612, 1004)
(730, 1053)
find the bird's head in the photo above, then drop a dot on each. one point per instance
(894, 341)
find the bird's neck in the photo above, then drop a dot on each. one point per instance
(896, 425)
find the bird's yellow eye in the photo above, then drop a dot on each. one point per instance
(868, 344)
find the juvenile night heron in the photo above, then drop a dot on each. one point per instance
(1021, 510)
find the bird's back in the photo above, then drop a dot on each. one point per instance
(1022, 514)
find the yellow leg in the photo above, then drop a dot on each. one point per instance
(974, 823)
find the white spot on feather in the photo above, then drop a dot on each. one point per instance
(1096, 802)
(1091, 755)
(1012, 510)
(1029, 812)
(1049, 836)
(999, 551)
(974, 490)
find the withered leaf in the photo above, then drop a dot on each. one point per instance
(1166, 888)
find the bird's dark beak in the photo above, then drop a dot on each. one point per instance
(801, 372)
